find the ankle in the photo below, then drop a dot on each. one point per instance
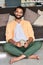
(23, 55)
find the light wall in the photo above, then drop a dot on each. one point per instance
(2, 3)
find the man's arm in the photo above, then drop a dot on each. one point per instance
(12, 41)
(28, 42)
(30, 34)
(30, 31)
(18, 44)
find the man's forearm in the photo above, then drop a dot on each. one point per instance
(30, 40)
(12, 41)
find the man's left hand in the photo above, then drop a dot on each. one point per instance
(26, 44)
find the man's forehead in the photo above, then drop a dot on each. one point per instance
(19, 9)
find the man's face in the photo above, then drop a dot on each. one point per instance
(18, 13)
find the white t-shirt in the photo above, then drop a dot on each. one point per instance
(19, 34)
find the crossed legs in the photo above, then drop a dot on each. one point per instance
(20, 54)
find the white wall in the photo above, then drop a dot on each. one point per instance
(2, 3)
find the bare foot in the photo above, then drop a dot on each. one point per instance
(15, 59)
(34, 57)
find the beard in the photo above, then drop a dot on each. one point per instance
(18, 17)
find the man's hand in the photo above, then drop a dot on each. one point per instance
(26, 44)
(18, 44)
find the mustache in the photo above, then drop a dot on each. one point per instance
(18, 17)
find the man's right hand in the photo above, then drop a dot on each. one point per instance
(18, 44)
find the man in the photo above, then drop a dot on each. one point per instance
(20, 38)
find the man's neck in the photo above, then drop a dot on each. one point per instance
(18, 20)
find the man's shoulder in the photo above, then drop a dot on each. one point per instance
(11, 22)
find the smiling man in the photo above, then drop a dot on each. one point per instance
(20, 38)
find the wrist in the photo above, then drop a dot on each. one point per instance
(15, 43)
(27, 41)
